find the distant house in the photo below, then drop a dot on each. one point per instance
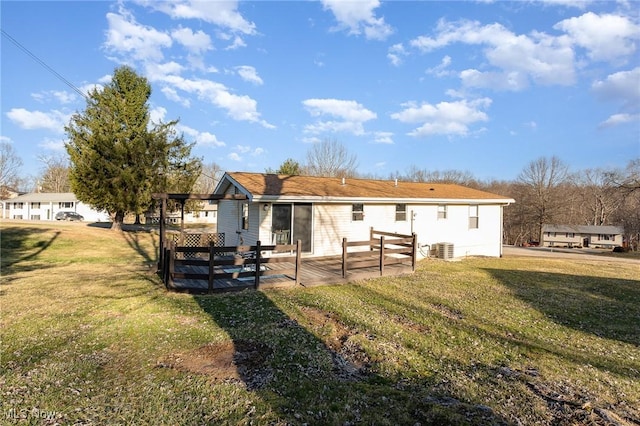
(581, 236)
(6, 194)
(45, 205)
(321, 211)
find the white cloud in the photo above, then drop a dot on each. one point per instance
(441, 70)
(201, 138)
(126, 36)
(579, 4)
(221, 13)
(358, 17)
(52, 120)
(383, 137)
(622, 86)
(157, 114)
(544, 59)
(351, 116)
(618, 119)
(237, 43)
(156, 71)
(396, 53)
(241, 108)
(606, 37)
(196, 43)
(234, 156)
(52, 144)
(61, 96)
(173, 95)
(512, 80)
(348, 110)
(445, 118)
(249, 74)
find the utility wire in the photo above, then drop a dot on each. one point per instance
(41, 62)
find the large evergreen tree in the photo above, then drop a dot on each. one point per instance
(118, 158)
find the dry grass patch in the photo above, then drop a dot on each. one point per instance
(91, 336)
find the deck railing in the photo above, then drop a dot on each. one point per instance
(230, 262)
(384, 248)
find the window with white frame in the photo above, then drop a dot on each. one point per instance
(473, 217)
(357, 211)
(442, 211)
(401, 212)
(18, 205)
(35, 205)
(65, 204)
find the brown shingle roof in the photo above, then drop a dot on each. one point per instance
(258, 184)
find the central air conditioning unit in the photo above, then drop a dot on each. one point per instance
(444, 250)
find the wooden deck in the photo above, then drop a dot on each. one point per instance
(313, 271)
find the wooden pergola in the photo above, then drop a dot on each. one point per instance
(182, 198)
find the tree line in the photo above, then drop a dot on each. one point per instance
(546, 191)
(117, 158)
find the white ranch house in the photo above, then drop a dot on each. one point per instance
(322, 211)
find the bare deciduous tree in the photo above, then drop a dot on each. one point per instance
(10, 165)
(414, 174)
(55, 175)
(209, 178)
(542, 180)
(332, 159)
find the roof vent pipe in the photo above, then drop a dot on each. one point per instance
(395, 183)
(343, 181)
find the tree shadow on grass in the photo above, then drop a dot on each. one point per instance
(136, 240)
(21, 245)
(308, 381)
(605, 307)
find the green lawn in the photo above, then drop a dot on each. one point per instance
(90, 336)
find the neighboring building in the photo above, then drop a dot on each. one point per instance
(581, 236)
(321, 211)
(6, 194)
(206, 213)
(45, 205)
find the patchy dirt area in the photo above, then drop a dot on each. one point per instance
(350, 361)
(241, 360)
(568, 406)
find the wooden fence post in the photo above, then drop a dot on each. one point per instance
(381, 255)
(172, 262)
(211, 265)
(344, 258)
(298, 260)
(414, 251)
(371, 238)
(257, 265)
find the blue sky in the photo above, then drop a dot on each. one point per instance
(484, 87)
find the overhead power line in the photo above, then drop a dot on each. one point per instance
(44, 64)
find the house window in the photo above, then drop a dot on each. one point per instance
(442, 211)
(357, 211)
(18, 206)
(35, 205)
(65, 204)
(245, 216)
(35, 217)
(473, 217)
(401, 212)
(570, 235)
